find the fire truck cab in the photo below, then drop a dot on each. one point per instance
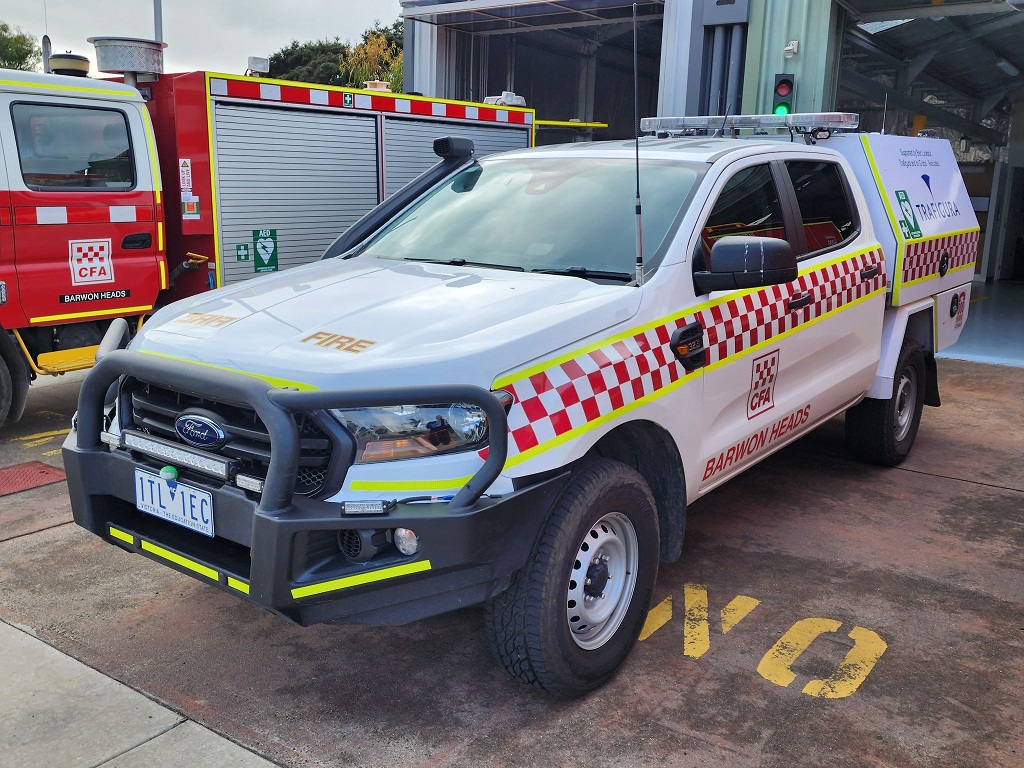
(81, 238)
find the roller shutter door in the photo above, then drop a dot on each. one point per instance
(409, 145)
(307, 174)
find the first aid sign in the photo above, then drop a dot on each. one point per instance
(90, 262)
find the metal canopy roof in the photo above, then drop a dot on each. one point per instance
(484, 17)
(959, 62)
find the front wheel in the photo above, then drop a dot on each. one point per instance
(883, 431)
(574, 612)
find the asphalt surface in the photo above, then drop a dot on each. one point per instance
(874, 616)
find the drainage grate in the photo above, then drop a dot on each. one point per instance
(31, 474)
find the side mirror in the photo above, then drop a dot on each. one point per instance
(747, 262)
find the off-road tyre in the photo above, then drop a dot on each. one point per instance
(883, 431)
(550, 628)
(6, 391)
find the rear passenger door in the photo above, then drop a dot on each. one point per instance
(843, 272)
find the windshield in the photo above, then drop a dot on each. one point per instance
(542, 214)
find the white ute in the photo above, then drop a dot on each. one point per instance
(473, 399)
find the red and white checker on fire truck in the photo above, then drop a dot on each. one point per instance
(479, 395)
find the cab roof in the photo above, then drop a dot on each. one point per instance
(39, 84)
(693, 149)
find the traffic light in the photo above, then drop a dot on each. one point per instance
(783, 95)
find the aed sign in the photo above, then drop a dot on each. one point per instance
(90, 261)
(922, 186)
(264, 245)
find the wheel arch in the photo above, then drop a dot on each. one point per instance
(651, 451)
(913, 321)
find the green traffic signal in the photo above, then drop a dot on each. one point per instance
(782, 110)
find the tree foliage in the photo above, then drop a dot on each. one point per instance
(18, 50)
(375, 58)
(378, 56)
(311, 62)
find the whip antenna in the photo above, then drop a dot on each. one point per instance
(636, 138)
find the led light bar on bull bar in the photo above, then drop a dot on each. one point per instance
(175, 454)
(797, 121)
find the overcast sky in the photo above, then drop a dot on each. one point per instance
(217, 35)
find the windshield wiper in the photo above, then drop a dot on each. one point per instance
(588, 274)
(464, 263)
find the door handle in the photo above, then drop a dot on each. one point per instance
(867, 274)
(798, 300)
(137, 242)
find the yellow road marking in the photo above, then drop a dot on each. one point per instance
(737, 610)
(40, 438)
(868, 648)
(657, 618)
(775, 665)
(696, 633)
(51, 453)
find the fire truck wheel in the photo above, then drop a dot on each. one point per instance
(883, 431)
(6, 391)
(574, 612)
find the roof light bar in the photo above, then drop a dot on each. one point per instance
(800, 121)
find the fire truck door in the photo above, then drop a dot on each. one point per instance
(84, 208)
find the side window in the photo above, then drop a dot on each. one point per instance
(73, 147)
(825, 207)
(748, 205)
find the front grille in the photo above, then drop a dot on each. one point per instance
(155, 408)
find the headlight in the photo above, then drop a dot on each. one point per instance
(410, 431)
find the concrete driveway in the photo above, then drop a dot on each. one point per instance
(824, 613)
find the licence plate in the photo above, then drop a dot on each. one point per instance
(173, 501)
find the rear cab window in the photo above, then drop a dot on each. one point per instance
(827, 213)
(68, 148)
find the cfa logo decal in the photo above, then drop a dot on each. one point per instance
(762, 384)
(90, 261)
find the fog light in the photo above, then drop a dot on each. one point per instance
(108, 438)
(407, 541)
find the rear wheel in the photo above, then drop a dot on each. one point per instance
(6, 390)
(574, 612)
(883, 431)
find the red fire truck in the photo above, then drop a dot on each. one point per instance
(259, 175)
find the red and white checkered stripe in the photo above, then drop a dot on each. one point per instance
(101, 214)
(594, 384)
(375, 102)
(923, 257)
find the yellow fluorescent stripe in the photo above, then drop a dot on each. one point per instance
(218, 271)
(100, 313)
(241, 586)
(119, 534)
(74, 89)
(410, 485)
(897, 233)
(154, 163)
(160, 235)
(279, 383)
(526, 373)
(177, 559)
(163, 275)
(933, 275)
(363, 578)
(584, 428)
